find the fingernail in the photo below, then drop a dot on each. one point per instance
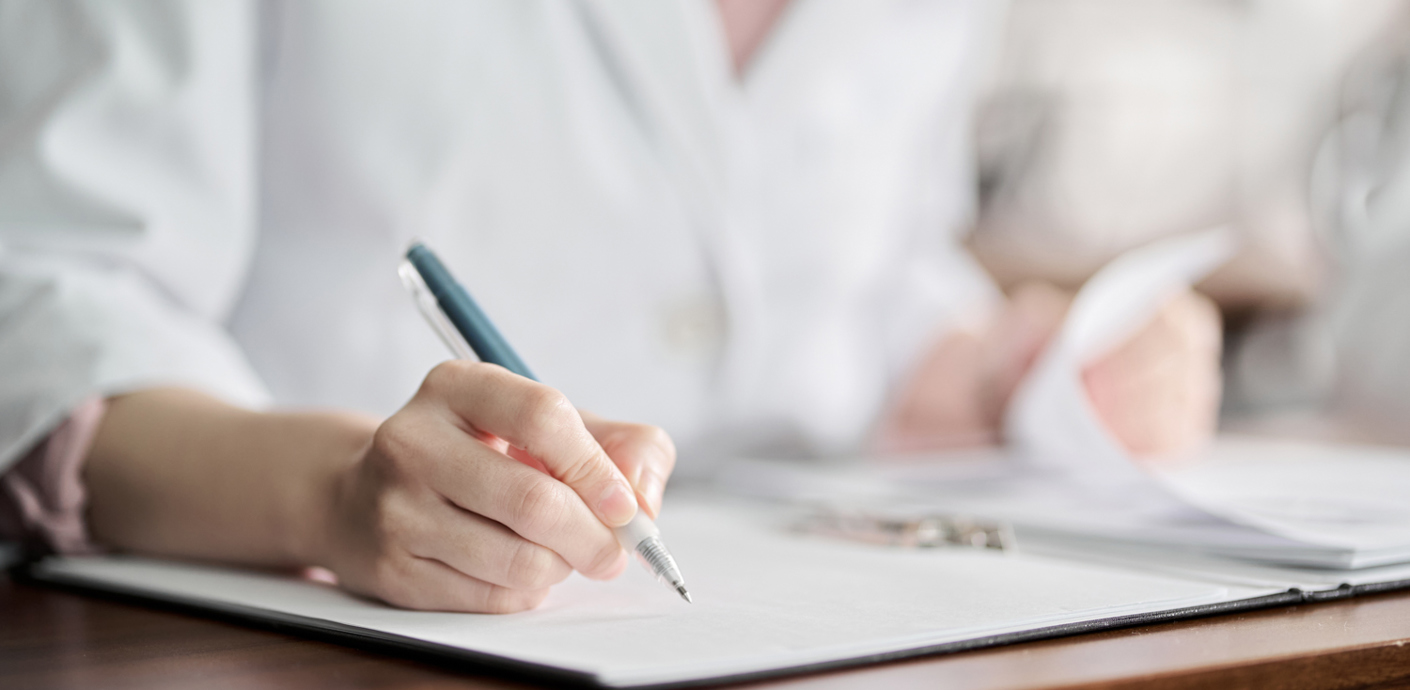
(651, 490)
(617, 505)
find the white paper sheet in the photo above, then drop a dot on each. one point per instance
(1353, 497)
(766, 599)
(1185, 563)
(1338, 507)
(1051, 420)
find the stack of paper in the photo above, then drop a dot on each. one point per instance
(1281, 503)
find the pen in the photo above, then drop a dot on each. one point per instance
(465, 329)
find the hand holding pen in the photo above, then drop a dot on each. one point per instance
(465, 328)
(483, 491)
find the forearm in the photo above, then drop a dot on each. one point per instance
(176, 473)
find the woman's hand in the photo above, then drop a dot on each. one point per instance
(485, 490)
(1158, 393)
(479, 494)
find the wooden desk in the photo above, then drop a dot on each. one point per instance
(56, 639)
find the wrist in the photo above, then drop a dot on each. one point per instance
(335, 444)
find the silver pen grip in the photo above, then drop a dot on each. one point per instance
(641, 537)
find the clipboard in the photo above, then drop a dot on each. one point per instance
(852, 603)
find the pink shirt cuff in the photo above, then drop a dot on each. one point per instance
(42, 499)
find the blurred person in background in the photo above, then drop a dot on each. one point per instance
(737, 221)
(1105, 124)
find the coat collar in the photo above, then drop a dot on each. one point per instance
(670, 59)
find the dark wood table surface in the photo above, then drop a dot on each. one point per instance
(51, 638)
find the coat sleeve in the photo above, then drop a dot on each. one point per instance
(126, 203)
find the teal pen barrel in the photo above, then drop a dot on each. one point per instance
(464, 314)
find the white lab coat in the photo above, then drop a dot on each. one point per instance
(216, 194)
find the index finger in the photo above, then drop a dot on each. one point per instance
(540, 421)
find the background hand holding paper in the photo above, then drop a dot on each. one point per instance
(1052, 418)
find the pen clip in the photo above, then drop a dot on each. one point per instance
(431, 309)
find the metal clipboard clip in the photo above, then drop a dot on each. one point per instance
(920, 532)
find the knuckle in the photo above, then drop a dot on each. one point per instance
(453, 376)
(393, 440)
(530, 566)
(525, 565)
(442, 377)
(583, 468)
(545, 411)
(538, 507)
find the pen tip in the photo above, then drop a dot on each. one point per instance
(685, 595)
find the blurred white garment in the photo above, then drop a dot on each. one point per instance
(216, 194)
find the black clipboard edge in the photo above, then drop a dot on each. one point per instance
(1288, 598)
(438, 654)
